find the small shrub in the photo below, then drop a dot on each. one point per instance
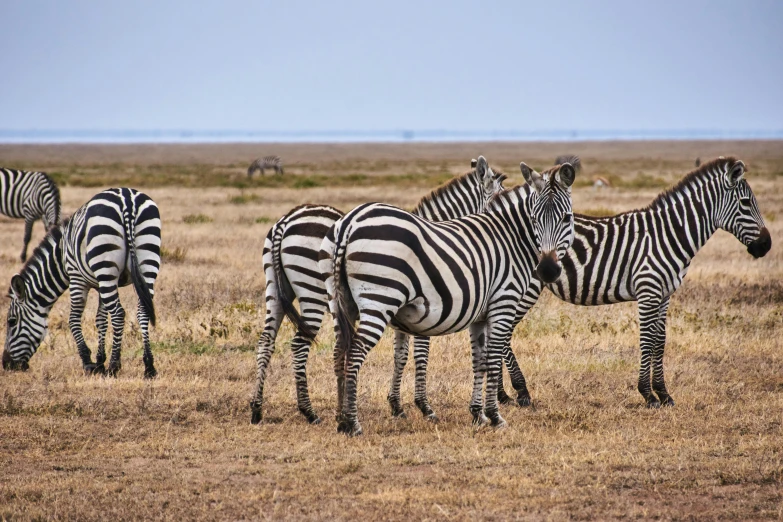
(243, 199)
(306, 183)
(192, 219)
(264, 220)
(176, 255)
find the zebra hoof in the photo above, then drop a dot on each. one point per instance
(255, 415)
(400, 415)
(396, 409)
(432, 418)
(499, 423)
(113, 370)
(653, 404)
(667, 401)
(150, 373)
(99, 369)
(311, 417)
(479, 419)
(503, 398)
(349, 428)
(89, 369)
(524, 401)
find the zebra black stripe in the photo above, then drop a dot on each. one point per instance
(111, 241)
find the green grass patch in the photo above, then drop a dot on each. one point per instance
(243, 199)
(263, 220)
(192, 219)
(176, 255)
(308, 182)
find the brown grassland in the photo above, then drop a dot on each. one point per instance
(182, 447)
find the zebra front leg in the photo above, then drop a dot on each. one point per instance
(499, 333)
(517, 378)
(264, 349)
(144, 324)
(300, 350)
(78, 299)
(28, 234)
(101, 324)
(401, 346)
(111, 301)
(658, 382)
(478, 349)
(421, 355)
(648, 326)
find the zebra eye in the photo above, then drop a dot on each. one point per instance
(12, 322)
(567, 218)
(745, 201)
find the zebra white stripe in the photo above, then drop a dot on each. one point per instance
(267, 162)
(643, 256)
(386, 266)
(111, 241)
(29, 196)
(291, 267)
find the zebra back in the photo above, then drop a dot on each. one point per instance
(467, 194)
(266, 162)
(30, 195)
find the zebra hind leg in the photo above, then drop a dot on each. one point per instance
(149, 363)
(300, 349)
(479, 363)
(658, 382)
(401, 348)
(117, 313)
(421, 354)
(102, 325)
(264, 349)
(648, 322)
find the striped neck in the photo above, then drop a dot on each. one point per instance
(44, 273)
(459, 197)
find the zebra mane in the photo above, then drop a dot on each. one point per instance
(573, 159)
(54, 235)
(449, 185)
(55, 195)
(705, 171)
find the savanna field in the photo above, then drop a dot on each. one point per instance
(76, 447)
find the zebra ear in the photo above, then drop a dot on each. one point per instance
(736, 172)
(532, 177)
(17, 287)
(566, 174)
(486, 174)
(473, 163)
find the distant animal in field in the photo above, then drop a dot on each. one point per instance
(267, 162)
(600, 183)
(697, 163)
(290, 258)
(643, 255)
(111, 241)
(29, 195)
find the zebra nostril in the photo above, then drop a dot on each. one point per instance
(548, 269)
(762, 245)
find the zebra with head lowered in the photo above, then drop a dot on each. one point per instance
(267, 162)
(291, 268)
(111, 241)
(386, 266)
(643, 255)
(29, 195)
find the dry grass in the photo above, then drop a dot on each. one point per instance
(76, 447)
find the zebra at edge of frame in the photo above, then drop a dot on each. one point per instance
(29, 195)
(111, 241)
(266, 162)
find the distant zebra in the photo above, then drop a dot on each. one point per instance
(29, 195)
(643, 255)
(291, 267)
(267, 162)
(111, 241)
(386, 266)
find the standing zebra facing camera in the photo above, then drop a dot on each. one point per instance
(386, 266)
(111, 241)
(29, 195)
(290, 256)
(267, 162)
(643, 255)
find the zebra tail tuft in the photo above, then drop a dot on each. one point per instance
(139, 283)
(277, 265)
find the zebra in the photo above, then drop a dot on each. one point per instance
(290, 259)
(113, 240)
(267, 162)
(385, 266)
(29, 195)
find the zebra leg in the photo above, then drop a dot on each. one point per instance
(28, 234)
(499, 335)
(312, 313)
(648, 326)
(478, 346)
(421, 355)
(264, 349)
(111, 301)
(101, 324)
(372, 323)
(517, 378)
(144, 324)
(401, 346)
(658, 382)
(78, 300)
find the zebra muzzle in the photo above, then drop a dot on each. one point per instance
(762, 245)
(10, 364)
(548, 269)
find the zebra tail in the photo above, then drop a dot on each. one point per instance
(139, 284)
(342, 294)
(277, 265)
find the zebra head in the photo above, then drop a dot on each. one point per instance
(551, 215)
(491, 182)
(738, 210)
(26, 327)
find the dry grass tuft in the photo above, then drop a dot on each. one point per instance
(182, 447)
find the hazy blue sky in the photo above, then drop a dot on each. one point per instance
(457, 65)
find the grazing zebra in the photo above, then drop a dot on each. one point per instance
(29, 195)
(386, 266)
(291, 268)
(267, 162)
(111, 241)
(643, 255)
